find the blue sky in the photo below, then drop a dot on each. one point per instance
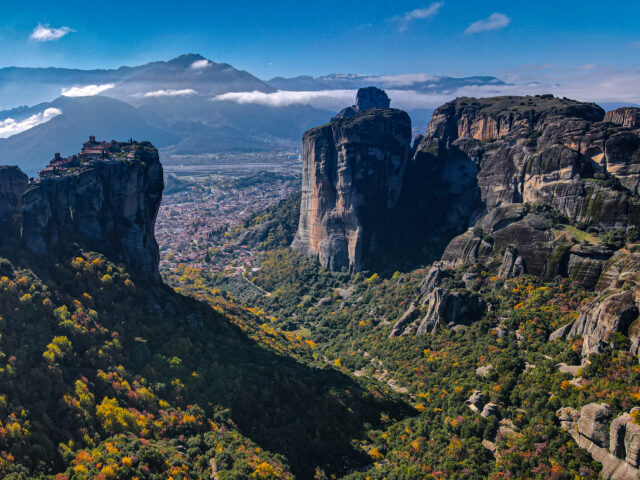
(525, 40)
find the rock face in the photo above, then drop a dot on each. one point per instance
(369, 97)
(617, 434)
(586, 262)
(608, 314)
(615, 444)
(13, 184)
(594, 423)
(510, 183)
(513, 166)
(485, 159)
(352, 177)
(108, 205)
(438, 307)
(626, 116)
(446, 308)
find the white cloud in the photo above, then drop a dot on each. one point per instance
(331, 99)
(86, 90)
(171, 93)
(495, 21)
(9, 126)
(597, 85)
(418, 14)
(200, 64)
(44, 33)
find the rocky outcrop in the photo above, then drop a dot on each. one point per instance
(476, 401)
(617, 433)
(490, 410)
(369, 97)
(512, 264)
(586, 262)
(479, 160)
(13, 183)
(430, 281)
(594, 423)
(109, 206)
(441, 308)
(626, 116)
(253, 236)
(481, 155)
(632, 444)
(615, 444)
(561, 332)
(610, 313)
(492, 118)
(352, 177)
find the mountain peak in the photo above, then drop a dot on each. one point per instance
(187, 59)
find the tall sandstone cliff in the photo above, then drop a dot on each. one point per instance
(109, 206)
(366, 193)
(493, 181)
(352, 177)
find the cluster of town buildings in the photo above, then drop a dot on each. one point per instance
(197, 226)
(92, 150)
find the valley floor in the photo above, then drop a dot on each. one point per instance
(342, 322)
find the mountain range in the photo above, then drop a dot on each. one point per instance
(175, 104)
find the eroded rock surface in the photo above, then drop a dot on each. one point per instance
(352, 179)
(615, 444)
(108, 206)
(13, 183)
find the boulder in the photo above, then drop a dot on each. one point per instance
(371, 97)
(476, 400)
(490, 410)
(367, 97)
(594, 423)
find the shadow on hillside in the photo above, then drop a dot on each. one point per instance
(310, 415)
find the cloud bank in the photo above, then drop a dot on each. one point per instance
(9, 126)
(331, 99)
(495, 21)
(418, 14)
(171, 93)
(86, 90)
(44, 33)
(592, 85)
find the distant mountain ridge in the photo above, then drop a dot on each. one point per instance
(179, 105)
(20, 85)
(418, 82)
